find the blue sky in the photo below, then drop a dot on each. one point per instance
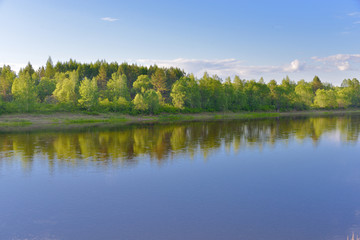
(248, 38)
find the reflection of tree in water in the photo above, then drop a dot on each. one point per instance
(128, 146)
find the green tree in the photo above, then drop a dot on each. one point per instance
(147, 102)
(305, 93)
(89, 93)
(142, 84)
(229, 91)
(316, 84)
(45, 88)
(49, 69)
(258, 96)
(65, 91)
(7, 77)
(278, 95)
(102, 77)
(212, 93)
(240, 100)
(158, 79)
(352, 87)
(146, 99)
(185, 93)
(343, 97)
(325, 99)
(117, 87)
(24, 91)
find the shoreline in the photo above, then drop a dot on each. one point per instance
(62, 121)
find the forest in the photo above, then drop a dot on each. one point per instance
(132, 89)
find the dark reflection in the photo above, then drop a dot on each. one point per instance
(126, 146)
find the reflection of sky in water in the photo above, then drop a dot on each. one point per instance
(266, 179)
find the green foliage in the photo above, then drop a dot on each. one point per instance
(258, 96)
(89, 94)
(65, 90)
(6, 80)
(142, 84)
(158, 79)
(117, 87)
(119, 105)
(186, 93)
(49, 70)
(240, 99)
(45, 88)
(316, 84)
(325, 99)
(352, 91)
(305, 93)
(343, 97)
(138, 89)
(24, 91)
(147, 102)
(212, 93)
(102, 77)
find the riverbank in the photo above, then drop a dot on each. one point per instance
(68, 121)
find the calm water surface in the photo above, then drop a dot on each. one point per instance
(275, 179)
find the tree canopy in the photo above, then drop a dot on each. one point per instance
(129, 88)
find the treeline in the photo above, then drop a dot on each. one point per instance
(113, 87)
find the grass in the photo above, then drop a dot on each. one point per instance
(174, 118)
(15, 123)
(87, 121)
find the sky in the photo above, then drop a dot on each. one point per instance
(249, 38)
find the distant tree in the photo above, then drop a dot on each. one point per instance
(343, 97)
(240, 96)
(316, 84)
(258, 96)
(146, 99)
(117, 87)
(305, 93)
(212, 93)
(185, 93)
(102, 77)
(24, 90)
(89, 93)
(147, 102)
(7, 77)
(230, 96)
(45, 88)
(352, 87)
(142, 84)
(49, 69)
(158, 79)
(325, 99)
(41, 72)
(65, 90)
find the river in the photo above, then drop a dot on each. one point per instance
(275, 179)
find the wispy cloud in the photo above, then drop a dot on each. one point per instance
(357, 22)
(224, 67)
(354, 14)
(109, 19)
(341, 61)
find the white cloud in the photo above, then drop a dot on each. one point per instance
(224, 67)
(342, 66)
(354, 14)
(109, 19)
(294, 66)
(340, 61)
